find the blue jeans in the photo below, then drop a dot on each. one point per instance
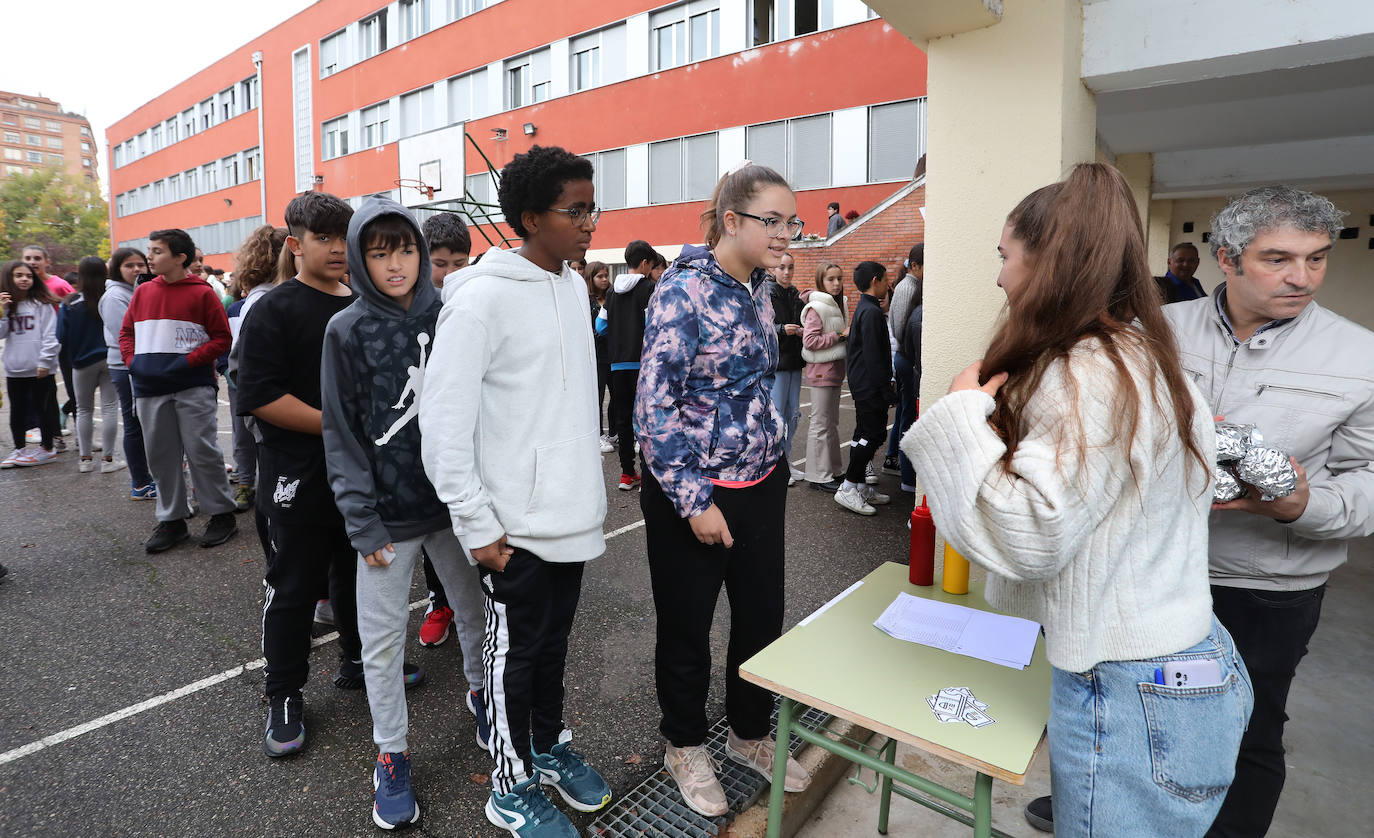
(134, 453)
(1129, 757)
(787, 399)
(906, 412)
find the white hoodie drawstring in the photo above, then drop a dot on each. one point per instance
(558, 318)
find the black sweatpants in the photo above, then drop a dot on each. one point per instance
(870, 434)
(529, 614)
(623, 385)
(687, 575)
(437, 598)
(309, 558)
(29, 398)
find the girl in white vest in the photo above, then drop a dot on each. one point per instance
(825, 325)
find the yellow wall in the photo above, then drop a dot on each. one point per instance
(1349, 286)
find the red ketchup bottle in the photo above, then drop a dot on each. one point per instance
(922, 552)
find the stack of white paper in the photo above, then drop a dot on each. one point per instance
(996, 638)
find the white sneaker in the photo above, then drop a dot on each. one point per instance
(35, 456)
(876, 497)
(851, 499)
(86, 466)
(606, 445)
(13, 459)
(870, 476)
(759, 755)
(110, 466)
(695, 774)
(791, 480)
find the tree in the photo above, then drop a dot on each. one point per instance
(56, 210)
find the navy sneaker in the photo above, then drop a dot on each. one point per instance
(567, 771)
(477, 706)
(285, 726)
(350, 675)
(395, 799)
(527, 813)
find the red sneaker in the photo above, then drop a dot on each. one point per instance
(436, 627)
(628, 482)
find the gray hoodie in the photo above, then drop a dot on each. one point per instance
(114, 303)
(375, 355)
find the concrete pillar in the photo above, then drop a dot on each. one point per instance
(1138, 170)
(1007, 115)
(1158, 236)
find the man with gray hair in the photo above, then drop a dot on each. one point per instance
(1264, 353)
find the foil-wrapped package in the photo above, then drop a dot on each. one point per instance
(1268, 470)
(1228, 486)
(1234, 440)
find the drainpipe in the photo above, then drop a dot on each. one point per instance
(262, 149)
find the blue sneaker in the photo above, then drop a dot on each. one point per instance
(527, 813)
(477, 706)
(567, 771)
(395, 800)
(148, 492)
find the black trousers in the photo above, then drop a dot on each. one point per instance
(687, 575)
(29, 400)
(622, 415)
(309, 558)
(530, 608)
(603, 387)
(870, 434)
(64, 362)
(1271, 630)
(437, 598)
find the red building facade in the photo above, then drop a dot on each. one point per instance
(349, 97)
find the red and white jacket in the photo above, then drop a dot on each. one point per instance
(172, 334)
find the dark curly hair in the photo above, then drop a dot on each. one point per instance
(532, 181)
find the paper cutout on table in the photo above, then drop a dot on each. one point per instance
(996, 638)
(957, 704)
(841, 595)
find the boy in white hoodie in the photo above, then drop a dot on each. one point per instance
(508, 427)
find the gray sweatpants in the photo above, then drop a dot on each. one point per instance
(383, 611)
(178, 425)
(87, 379)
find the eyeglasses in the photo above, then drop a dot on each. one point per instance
(577, 215)
(775, 227)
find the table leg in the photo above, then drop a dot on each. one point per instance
(885, 797)
(775, 793)
(982, 806)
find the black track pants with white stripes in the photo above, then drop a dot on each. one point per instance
(529, 614)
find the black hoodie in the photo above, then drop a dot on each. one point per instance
(374, 365)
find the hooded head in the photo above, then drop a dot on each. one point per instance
(393, 215)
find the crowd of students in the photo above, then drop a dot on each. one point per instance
(390, 411)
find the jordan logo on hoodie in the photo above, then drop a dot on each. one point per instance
(415, 379)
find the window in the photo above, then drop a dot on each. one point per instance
(331, 54)
(610, 179)
(665, 172)
(688, 32)
(699, 154)
(190, 182)
(12, 137)
(467, 96)
(414, 18)
(418, 112)
(248, 93)
(14, 170)
(55, 142)
(334, 135)
(527, 79)
(482, 189)
(13, 154)
(252, 164)
(118, 154)
(11, 119)
(228, 104)
(30, 122)
(159, 193)
(767, 145)
(54, 126)
(808, 152)
(372, 36)
(34, 156)
(33, 139)
(763, 22)
(169, 129)
(155, 133)
(55, 159)
(188, 122)
(463, 8)
(896, 138)
(207, 113)
(807, 14)
(173, 188)
(376, 125)
(230, 167)
(586, 63)
(85, 132)
(682, 170)
(209, 177)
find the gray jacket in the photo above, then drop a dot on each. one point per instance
(1309, 386)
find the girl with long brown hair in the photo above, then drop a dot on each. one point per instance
(1073, 463)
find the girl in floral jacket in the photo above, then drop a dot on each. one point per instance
(715, 477)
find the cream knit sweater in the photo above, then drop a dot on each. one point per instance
(1112, 563)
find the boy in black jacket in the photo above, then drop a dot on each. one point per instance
(626, 303)
(868, 361)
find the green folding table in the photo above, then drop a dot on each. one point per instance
(839, 662)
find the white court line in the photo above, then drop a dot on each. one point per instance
(842, 445)
(190, 689)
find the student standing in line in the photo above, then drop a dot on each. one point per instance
(36, 257)
(716, 476)
(1075, 463)
(255, 267)
(787, 308)
(868, 362)
(626, 303)
(172, 334)
(126, 265)
(905, 296)
(80, 329)
(825, 327)
(598, 278)
(374, 361)
(509, 438)
(29, 327)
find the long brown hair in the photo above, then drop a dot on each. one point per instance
(1088, 278)
(588, 275)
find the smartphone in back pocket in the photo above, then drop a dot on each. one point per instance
(1196, 673)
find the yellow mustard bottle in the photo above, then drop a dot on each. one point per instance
(955, 577)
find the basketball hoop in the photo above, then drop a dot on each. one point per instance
(418, 185)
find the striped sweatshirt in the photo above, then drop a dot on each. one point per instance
(172, 334)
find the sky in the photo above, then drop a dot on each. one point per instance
(104, 60)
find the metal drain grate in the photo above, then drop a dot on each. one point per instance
(654, 808)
